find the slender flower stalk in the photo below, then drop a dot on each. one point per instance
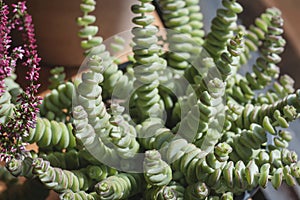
(4, 45)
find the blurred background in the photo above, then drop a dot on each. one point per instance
(58, 44)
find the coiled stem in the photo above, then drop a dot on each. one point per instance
(58, 179)
(173, 191)
(157, 172)
(265, 69)
(90, 140)
(113, 129)
(269, 116)
(280, 89)
(196, 191)
(153, 134)
(204, 113)
(99, 172)
(176, 15)
(57, 104)
(148, 63)
(20, 167)
(93, 46)
(246, 142)
(120, 186)
(123, 135)
(71, 159)
(256, 33)
(51, 134)
(57, 78)
(222, 176)
(222, 29)
(81, 195)
(229, 59)
(195, 21)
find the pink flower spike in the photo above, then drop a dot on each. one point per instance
(25, 112)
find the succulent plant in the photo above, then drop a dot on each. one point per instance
(180, 121)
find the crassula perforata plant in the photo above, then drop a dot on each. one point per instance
(179, 121)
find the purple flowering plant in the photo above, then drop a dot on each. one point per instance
(24, 112)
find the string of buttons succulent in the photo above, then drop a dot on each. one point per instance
(179, 121)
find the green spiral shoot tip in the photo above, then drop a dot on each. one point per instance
(103, 187)
(168, 193)
(202, 190)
